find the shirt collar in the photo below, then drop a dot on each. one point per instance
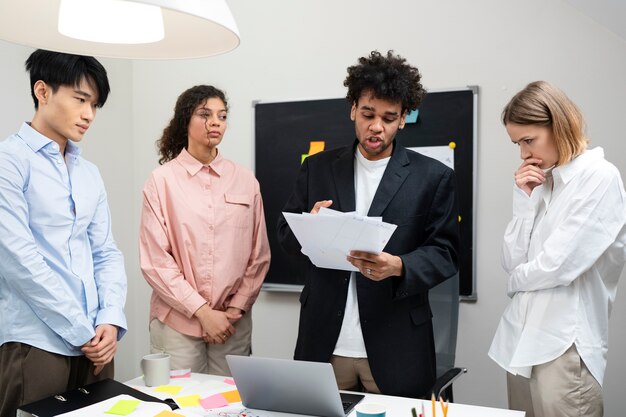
(580, 163)
(193, 166)
(72, 149)
(36, 141)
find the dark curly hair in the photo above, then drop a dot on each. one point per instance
(174, 137)
(388, 78)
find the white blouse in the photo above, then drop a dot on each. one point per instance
(563, 251)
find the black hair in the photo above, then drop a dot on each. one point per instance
(59, 69)
(174, 137)
(388, 78)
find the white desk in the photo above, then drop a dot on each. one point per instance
(206, 385)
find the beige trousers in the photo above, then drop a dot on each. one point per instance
(195, 353)
(354, 374)
(563, 387)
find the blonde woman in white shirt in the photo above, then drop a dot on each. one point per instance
(563, 251)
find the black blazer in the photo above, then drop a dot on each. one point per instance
(417, 194)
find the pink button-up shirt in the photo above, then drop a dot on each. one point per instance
(202, 239)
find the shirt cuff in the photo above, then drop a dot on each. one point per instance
(81, 333)
(193, 303)
(113, 316)
(242, 302)
(525, 206)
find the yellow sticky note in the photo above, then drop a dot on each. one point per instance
(316, 147)
(123, 407)
(169, 389)
(167, 413)
(188, 401)
(232, 396)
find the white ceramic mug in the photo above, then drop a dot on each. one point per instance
(156, 369)
(370, 410)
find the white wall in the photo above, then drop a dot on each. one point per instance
(301, 49)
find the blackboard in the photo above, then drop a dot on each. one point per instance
(284, 131)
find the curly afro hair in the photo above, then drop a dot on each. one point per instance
(387, 77)
(174, 137)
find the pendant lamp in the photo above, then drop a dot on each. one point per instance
(136, 29)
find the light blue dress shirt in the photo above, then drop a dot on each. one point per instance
(61, 273)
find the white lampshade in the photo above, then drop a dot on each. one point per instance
(138, 29)
(133, 22)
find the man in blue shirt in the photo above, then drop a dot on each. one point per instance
(62, 279)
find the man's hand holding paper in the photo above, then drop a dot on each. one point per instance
(376, 267)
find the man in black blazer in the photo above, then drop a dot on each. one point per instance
(374, 326)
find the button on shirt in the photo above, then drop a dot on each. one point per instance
(61, 273)
(564, 251)
(202, 239)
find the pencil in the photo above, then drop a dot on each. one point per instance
(444, 408)
(432, 401)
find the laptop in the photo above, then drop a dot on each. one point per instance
(290, 386)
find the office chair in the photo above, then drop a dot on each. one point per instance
(444, 304)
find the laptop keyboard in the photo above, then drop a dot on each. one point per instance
(346, 405)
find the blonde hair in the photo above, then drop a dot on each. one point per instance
(541, 103)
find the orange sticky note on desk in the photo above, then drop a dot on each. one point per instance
(168, 414)
(232, 396)
(188, 401)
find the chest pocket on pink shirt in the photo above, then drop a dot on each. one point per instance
(238, 210)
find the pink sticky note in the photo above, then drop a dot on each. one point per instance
(229, 381)
(213, 401)
(180, 373)
(181, 376)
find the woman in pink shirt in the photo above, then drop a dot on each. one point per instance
(203, 242)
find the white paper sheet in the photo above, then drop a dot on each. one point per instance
(328, 237)
(443, 154)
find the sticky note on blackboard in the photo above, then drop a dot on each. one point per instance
(316, 146)
(411, 117)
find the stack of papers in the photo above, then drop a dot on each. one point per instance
(328, 236)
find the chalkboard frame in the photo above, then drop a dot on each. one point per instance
(278, 152)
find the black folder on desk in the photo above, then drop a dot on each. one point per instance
(81, 397)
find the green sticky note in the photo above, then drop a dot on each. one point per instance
(123, 407)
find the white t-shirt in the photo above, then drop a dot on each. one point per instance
(564, 252)
(367, 176)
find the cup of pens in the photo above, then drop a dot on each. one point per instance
(433, 402)
(370, 410)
